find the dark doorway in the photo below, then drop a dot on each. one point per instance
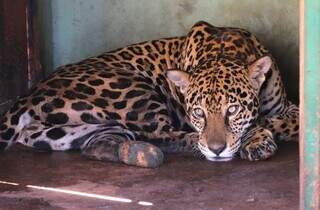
(19, 51)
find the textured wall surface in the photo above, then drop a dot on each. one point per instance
(76, 29)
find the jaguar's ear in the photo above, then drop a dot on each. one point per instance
(180, 78)
(258, 70)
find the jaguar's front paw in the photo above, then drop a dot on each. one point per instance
(141, 154)
(259, 146)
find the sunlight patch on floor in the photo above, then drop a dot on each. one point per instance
(9, 183)
(84, 194)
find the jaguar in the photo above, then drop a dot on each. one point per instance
(216, 92)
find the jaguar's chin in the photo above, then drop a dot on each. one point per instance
(219, 159)
(224, 156)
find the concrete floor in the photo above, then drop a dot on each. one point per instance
(183, 182)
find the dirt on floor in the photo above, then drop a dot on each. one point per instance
(66, 180)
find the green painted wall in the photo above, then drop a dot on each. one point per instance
(75, 29)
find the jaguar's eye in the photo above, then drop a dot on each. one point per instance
(198, 112)
(233, 110)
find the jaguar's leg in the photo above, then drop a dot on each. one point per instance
(117, 144)
(137, 149)
(285, 127)
(115, 149)
(257, 144)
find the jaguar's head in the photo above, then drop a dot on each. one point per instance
(222, 101)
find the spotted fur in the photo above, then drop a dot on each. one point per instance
(216, 90)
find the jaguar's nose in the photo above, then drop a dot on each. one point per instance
(217, 148)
